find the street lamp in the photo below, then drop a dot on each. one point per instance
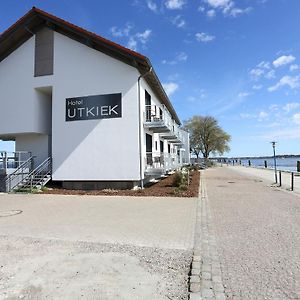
(274, 154)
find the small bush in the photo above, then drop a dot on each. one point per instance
(183, 187)
(177, 180)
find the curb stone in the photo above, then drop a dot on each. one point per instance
(205, 281)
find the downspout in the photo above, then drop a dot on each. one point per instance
(140, 127)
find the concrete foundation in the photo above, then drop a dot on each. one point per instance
(99, 185)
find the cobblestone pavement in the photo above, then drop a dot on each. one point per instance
(206, 276)
(258, 236)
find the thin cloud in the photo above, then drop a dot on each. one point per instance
(134, 39)
(211, 13)
(296, 119)
(204, 37)
(290, 81)
(178, 21)
(283, 60)
(152, 6)
(294, 67)
(174, 4)
(291, 106)
(170, 88)
(243, 94)
(180, 57)
(227, 7)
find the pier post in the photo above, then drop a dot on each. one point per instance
(249, 163)
(292, 181)
(298, 166)
(266, 165)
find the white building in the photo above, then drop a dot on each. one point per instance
(94, 109)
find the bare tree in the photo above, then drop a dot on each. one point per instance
(206, 136)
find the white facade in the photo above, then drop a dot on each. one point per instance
(33, 111)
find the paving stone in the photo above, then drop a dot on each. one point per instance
(195, 279)
(206, 275)
(197, 258)
(206, 268)
(195, 296)
(216, 278)
(218, 287)
(206, 284)
(207, 293)
(196, 265)
(220, 296)
(196, 272)
(195, 287)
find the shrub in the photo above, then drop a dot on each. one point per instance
(178, 178)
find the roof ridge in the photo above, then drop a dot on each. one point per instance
(97, 36)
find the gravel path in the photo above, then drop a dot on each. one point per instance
(258, 235)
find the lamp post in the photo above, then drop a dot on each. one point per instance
(274, 154)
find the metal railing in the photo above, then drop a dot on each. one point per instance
(13, 179)
(155, 114)
(13, 160)
(162, 161)
(24, 177)
(39, 176)
(292, 179)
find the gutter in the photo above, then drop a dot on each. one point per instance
(140, 126)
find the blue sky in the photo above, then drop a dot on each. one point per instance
(237, 60)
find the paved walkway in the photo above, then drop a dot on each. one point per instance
(140, 221)
(269, 176)
(94, 247)
(257, 235)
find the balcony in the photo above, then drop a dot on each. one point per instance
(174, 135)
(157, 119)
(158, 163)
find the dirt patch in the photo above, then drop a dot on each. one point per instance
(163, 188)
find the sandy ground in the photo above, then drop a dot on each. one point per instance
(257, 229)
(93, 247)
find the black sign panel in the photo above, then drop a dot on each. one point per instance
(94, 107)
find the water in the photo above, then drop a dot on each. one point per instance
(283, 164)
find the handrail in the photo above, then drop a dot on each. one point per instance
(21, 166)
(19, 171)
(28, 179)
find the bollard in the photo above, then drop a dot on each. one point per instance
(292, 181)
(298, 166)
(266, 165)
(279, 178)
(249, 163)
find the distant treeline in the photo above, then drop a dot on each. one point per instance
(261, 157)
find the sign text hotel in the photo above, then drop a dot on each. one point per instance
(94, 107)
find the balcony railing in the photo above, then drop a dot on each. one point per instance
(174, 135)
(158, 163)
(157, 118)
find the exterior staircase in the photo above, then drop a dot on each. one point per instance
(25, 180)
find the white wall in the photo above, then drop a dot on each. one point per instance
(20, 108)
(105, 149)
(35, 143)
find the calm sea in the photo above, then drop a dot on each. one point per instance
(284, 164)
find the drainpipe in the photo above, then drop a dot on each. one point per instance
(140, 127)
